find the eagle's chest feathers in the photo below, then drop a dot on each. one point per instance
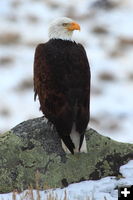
(62, 53)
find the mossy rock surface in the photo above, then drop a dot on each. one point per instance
(31, 153)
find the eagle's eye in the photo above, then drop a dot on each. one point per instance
(64, 24)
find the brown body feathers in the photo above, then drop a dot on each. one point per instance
(62, 83)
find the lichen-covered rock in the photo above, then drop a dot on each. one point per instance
(32, 149)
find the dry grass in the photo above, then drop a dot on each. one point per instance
(12, 17)
(5, 112)
(6, 60)
(26, 84)
(116, 52)
(106, 4)
(15, 3)
(113, 126)
(102, 30)
(94, 120)
(32, 18)
(50, 195)
(29, 195)
(96, 91)
(10, 38)
(125, 42)
(14, 195)
(120, 49)
(130, 77)
(106, 76)
(37, 178)
(52, 3)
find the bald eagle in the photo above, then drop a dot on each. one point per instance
(62, 83)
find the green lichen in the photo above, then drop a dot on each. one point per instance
(23, 155)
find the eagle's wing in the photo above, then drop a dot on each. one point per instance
(53, 103)
(83, 110)
(38, 76)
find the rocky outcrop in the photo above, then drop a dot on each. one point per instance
(33, 149)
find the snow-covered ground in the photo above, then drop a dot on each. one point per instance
(107, 34)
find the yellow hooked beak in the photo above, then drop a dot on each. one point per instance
(73, 26)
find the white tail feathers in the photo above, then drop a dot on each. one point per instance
(75, 137)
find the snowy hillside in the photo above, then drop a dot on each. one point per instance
(106, 33)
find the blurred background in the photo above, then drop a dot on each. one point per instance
(106, 33)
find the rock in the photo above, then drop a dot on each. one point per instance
(31, 154)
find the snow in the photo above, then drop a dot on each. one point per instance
(30, 19)
(111, 107)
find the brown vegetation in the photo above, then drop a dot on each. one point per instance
(106, 4)
(10, 38)
(4, 112)
(116, 52)
(130, 76)
(26, 84)
(32, 18)
(102, 30)
(107, 76)
(125, 42)
(96, 91)
(6, 60)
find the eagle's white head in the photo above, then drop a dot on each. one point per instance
(62, 28)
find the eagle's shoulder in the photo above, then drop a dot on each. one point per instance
(81, 47)
(40, 47)
(39, 61)
(83, 54)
